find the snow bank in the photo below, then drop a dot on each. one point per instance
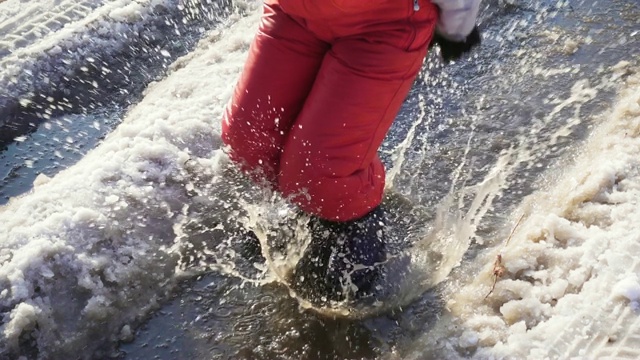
(570, 284)
(89, 251)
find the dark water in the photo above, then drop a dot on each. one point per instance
(216, 319)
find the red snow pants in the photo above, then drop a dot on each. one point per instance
(322, 84)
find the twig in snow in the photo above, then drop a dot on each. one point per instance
(498, 268)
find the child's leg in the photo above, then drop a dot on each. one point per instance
(283, 61)
(330, 164)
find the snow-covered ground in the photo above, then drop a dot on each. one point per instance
(93, 251)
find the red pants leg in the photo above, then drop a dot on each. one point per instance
(281, 68)
(330, 165)
(313, 119)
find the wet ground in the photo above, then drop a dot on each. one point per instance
(488, 129)
(524, 101)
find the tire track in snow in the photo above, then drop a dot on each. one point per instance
(38, 20)
(105, 58)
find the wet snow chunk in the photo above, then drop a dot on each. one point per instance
(22, 317)
(628, 288)
(468, 339)
(111, 199)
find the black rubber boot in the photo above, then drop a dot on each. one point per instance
(343, 259)
(250, 247)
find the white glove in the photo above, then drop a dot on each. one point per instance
(457, 18)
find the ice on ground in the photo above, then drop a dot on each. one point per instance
(94, 243)
(570, 284)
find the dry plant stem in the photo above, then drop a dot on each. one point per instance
(498, 268)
